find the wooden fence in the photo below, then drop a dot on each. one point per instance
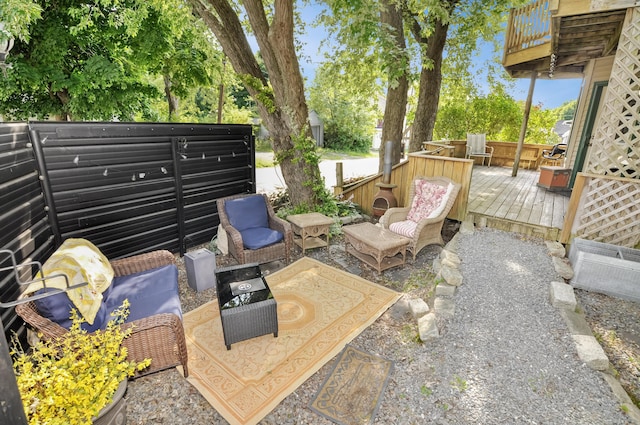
(604, 209)
(505, 152)
(417, 164)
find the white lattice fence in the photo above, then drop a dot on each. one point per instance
(609, 210)
(616, 146)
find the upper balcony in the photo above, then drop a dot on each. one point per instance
(557, 38)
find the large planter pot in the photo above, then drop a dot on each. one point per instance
(114, 413)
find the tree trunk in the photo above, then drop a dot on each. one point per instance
(281, 104)
(430, 83)
(396, 101)
(171, 99)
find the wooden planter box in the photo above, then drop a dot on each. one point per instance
(605, 268)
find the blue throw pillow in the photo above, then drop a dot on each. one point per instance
(247, 213)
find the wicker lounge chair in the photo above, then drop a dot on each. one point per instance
(428, 230)
(159, 337)
(237, 246)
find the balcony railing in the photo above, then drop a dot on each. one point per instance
(528, 26)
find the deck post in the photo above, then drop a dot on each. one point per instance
(525, 122)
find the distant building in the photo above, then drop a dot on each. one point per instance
(563, 129)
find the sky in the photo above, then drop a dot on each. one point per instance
(548, 93)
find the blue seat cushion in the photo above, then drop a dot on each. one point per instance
(247, 213)
(149, 292)
(259, 237)
(57, 308)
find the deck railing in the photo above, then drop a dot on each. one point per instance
(528, 26)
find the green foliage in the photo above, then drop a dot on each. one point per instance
(17, 15)
(497, 115)
(348, 113)
(567, 110)
(99, 61)
(540, 126)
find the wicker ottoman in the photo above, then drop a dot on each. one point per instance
(247, 307)
(377, 247)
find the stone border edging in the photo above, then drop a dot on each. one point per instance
(561, 296)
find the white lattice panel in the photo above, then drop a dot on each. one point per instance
(610, 212)
(616, 146)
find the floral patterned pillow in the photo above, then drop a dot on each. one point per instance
(428, 197)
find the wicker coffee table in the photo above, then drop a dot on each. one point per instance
(377, 247)
(310, 227)
(247, 307)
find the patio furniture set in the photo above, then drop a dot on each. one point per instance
(247, 307)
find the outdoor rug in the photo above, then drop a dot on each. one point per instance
(352, 392)
(320, 310)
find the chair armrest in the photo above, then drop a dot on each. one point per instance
(283, 226)
(489, 148)
(42, 325)
(159, 337)
(394, 215)
(234, 241)
(142, 262)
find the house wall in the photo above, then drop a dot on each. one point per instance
(597, 70)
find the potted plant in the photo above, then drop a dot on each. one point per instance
(71, 380)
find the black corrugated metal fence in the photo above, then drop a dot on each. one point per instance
(127, 187)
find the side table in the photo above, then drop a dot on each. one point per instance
(379, 248)
(309, 228)
(247, 307)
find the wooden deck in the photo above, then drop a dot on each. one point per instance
(515, 204)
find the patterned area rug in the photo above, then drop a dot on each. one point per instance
(354, 389)
(320, 310)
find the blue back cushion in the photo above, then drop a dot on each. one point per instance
(149, 292)
(247, 213)
(57, 308)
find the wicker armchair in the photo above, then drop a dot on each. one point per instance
(428, 231)
(276, 251)
(159, 337)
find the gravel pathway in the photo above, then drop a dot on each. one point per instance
(506, 356)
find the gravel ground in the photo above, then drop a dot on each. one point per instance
(506, 357)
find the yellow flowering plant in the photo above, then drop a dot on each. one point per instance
(69, 380)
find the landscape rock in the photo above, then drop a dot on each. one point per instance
(452, 245)
(427, 327)
(563, 267)
(590, 352)
(451, 275)
(445, 290)
(467, 227)
(576, 323)
(418, 307)
(451, 257)
(562, 295)
(556, 249)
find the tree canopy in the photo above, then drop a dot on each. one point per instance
(76, 60)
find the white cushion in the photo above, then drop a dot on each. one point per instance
(405, 228)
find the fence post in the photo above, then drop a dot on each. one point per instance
(45, 183)
(339, 187)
